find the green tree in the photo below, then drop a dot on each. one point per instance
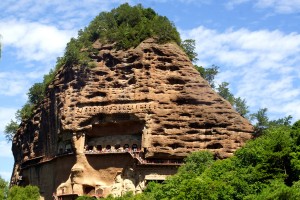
(25, 112)
(241, 107)
(3, 189)
(22, 114)
(262, 122)
(238, 103)
(10, 130)
(286, 121)
(127, 26)
(208, 74)
(48, 78)
(24, 193)
(277, 190)
(189, 46)
(36, 93)
(224, 92)
(197, 162)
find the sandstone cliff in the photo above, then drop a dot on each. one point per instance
(149, 99)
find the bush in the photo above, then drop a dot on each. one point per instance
(24, 193)
(3, 189)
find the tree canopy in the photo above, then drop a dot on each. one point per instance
(189, 46)
(126, 26)
(24, 193)
(3, 189)
(18, 193)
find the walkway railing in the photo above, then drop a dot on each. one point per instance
(137, 154)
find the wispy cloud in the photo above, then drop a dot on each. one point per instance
(5, 175)
(262, 66)
(34, 41)
(279, 6)
(5, 150)
(14, 83)
(57, 12)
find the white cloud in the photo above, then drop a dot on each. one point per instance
(261, 66)
(5, 175)
(231, 3)
(279, 6)
(5, 150)
(34, 41)
(33, 45)
(14, 83)
(58, 12)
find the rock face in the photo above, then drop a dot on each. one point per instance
(131, 118)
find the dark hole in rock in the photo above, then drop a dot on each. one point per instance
(214, 146)
(185, 114)
(96, 94)
(110, 61)
(175, 80)
(109, 79)
(174, 68)
(156, 144)
(186, 100)
(132, 81)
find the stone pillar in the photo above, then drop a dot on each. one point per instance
(78, 141)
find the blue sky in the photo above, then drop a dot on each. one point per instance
(256, 44)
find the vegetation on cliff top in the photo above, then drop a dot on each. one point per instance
(125, 27)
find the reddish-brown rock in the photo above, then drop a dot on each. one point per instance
(131, 118)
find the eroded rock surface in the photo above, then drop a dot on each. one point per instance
(137, 112)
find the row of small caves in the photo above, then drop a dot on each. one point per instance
(114, 133)
(110, 134)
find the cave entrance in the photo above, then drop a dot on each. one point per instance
(64, 144)
(89, 190)
(115, 133)
(99, 147)
(116, 124)
(134, 147)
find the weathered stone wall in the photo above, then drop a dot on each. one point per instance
(151, 92)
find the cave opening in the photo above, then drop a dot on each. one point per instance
(118, 132)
